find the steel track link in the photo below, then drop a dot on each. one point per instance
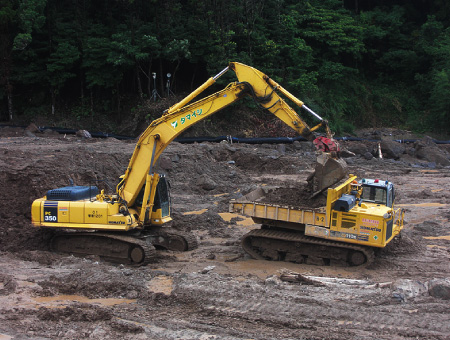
(295, 237)
(176, 240)
(190, 239)
(113, 247)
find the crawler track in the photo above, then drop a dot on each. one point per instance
(278, 245)
(120, 248)
(173, 239)
(136, 249)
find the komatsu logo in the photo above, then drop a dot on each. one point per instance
(370, 228)
(116, 222)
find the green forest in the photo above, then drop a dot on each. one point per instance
(357, 63)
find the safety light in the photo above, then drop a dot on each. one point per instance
(376, 181)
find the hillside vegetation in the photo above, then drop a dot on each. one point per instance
(91, 63)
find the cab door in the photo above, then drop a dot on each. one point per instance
(162, 197)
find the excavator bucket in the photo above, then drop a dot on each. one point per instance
(328, 171)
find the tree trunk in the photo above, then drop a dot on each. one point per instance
(82, 96)
(53, 100)
(118, 101)
(174, 73)
(9, 94)
(161, 78)
(92, 103)
(138, 81)
(193, 76)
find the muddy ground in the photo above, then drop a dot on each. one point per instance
(216, 291)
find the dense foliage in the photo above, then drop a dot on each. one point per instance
(359, 63)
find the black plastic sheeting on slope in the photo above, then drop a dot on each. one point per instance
(190, 140)
(93, 134)
(267, 140)
(282, 140)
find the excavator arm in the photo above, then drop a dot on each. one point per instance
(177, 119)
(265, 92)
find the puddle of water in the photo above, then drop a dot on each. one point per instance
(260, 268)
(422, 205)
(22, 283)
(263, 269)
(196, 212)
(60, 300)
(436, 190)
(435, 246)
(429, 171)
(445, 237)
(161, 284)
(243, 220)
(423, 219)
(341, 322)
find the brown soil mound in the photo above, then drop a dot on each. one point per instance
(299, 197)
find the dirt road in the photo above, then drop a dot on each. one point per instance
(215, 291)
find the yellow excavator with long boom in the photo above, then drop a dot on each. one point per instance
(127, 226)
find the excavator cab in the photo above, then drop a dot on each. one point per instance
(161, 204)
(378, 192)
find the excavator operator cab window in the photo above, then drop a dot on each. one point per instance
(162, 197)
(374, 194)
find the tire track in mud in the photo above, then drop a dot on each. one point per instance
(348, 311)
(173, 330)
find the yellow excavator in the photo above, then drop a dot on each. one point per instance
(127, 226)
